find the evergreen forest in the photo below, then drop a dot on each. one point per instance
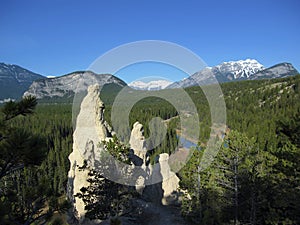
(254, 179)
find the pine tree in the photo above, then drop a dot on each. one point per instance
(18, 146)
(104, 198)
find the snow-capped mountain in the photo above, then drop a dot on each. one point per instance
(248, 69)
(238, 69)
(15, 80)
(150, 86)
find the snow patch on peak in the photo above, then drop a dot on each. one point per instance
(150, 86)
(239, 69)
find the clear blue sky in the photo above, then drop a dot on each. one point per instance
(56, 37)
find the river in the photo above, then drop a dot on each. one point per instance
(186, 143)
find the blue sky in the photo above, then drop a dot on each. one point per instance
(60, 36)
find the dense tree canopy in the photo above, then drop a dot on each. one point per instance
(25, 186)
(253, 180)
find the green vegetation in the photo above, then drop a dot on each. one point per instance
(244, 185)
(31, 185)
(106, 199)
(253, 180)
(255, 176)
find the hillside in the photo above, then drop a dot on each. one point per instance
(15, 80)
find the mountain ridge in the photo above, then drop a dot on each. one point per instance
(248, 69)
(15, 80)
(69, 84)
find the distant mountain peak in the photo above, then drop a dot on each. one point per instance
(277, 71)
(15, 80)
(242, 61)
(239, 69)
(69, 84)
(248, 69)
(150, 85)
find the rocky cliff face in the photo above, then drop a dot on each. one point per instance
(69, 84)
(90, 129)
(277, 71)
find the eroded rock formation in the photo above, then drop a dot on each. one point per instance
(160, 192)
(90, 130)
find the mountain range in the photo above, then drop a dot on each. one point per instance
(16, 81)
(248, 69)
(152, 85)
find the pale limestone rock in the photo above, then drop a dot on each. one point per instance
(90, 130)
(137, 141)
(170, 182)
(137, 144)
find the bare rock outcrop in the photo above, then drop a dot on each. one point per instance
(157, 192)
(170, 183)
(90, 130)
(137, 142)
(69, 84)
